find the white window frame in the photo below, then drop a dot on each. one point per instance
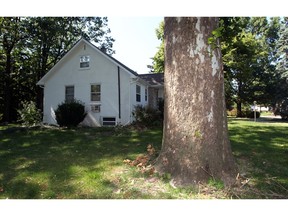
(95, 108)
(68, 96)
(138, 93)
(106, 122)
(84, 62)
(95, 92)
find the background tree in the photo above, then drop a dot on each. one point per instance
(281, 76)
(248, 47)
(11, 33)
(158, 59)
(195, 142)
(282, 49)
(240, 57)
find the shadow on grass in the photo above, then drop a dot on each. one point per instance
(71, 163)
(264, 148)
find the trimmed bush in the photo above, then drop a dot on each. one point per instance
(29, 115)
(70, 113)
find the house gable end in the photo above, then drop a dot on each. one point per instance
(71, 52)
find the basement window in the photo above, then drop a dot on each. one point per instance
(108, 121)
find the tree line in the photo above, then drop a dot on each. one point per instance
(254, 52)
(30, 46)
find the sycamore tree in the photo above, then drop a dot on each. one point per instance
(195, 144)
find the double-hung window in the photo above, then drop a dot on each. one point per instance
(85, 61)
(69, 93)
(138, 93)
(96, 92)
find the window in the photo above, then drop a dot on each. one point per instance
(138, 93)
(69, 93)
(84, 61)
(108, 121)
(96, 92)
(96, 108)
(146, 94)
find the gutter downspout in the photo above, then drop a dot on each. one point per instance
(119, 93)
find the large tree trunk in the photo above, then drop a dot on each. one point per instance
(195, 141)
(239, 100)
(239, 109)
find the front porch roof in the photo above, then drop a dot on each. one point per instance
(154, 79)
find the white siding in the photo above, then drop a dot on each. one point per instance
(101, 71)
(133, 95)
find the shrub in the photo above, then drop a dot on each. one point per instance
(146, 116)
(70, 113)
(282, 109)
(232, 112)
(250, 114)
(29, 114)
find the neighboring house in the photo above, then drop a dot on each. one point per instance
(109, 89)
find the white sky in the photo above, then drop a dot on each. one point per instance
(135, 40)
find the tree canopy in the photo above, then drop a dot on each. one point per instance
(248, 46)
(158, 59)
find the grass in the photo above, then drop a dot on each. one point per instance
(87, 163)
(261, 150)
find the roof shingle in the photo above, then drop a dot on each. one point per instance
(154, 79)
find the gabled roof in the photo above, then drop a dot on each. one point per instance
(82, 40)
(113, 59)
(153, 79)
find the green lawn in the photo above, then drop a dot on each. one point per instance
(52, 163)
(261, 150)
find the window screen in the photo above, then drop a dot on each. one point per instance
(69, 93)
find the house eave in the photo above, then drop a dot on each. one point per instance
(156, 86)
(116, 62)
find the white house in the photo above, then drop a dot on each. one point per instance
(108, 88)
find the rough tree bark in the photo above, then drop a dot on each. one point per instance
(195, 144)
